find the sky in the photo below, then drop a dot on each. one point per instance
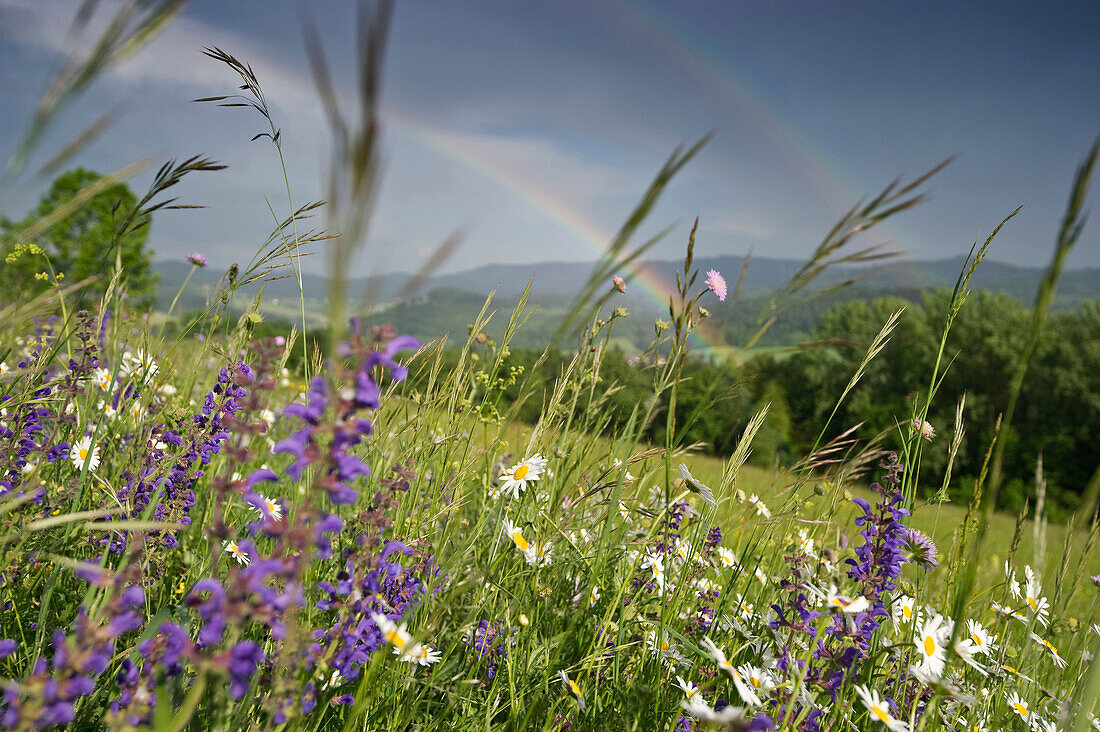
(534, 127)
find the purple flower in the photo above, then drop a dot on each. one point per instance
(197, 259)
(716, 283)
(922, 550)
(244, 659)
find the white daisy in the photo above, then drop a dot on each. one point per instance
(83, 452)
(879, 710)
(981, 639)
(616, 466)
(572, 687)
(726, 557)
(418, 654)
(515, 478)
(1051, 651)
(1033, 596)
(904, 611)
(1018, 705)
(690, 690)
(932, 647)
(236, 552)
(514, 533)
(761, 509)
(395, 635)
(697, 707)
(102, 378)
(844, 604)
(272, 509)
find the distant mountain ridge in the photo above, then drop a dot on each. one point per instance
(552, 281)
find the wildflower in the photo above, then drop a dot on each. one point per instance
(696, 486)
(617, 465)
(759, 574)
(924, 429)
(980, 638)
(1018, 705)
(236, 552)
(1033, 596)
(744, 690)
(102, 378)
(524, 620)
(697, 707)
(690, 690)
(85, 453)
(624, 512)
(618, 283)
(845, 604)
(922, 550)
(716, 283)
(335, 680)
(395, 635)
(726, 557)
(707, 585)
(515, 478)
(1013, 585)
(761, 509)
(516, 535)
(1054, 655)
(593, 595)
(268, 508)
(539, 555)
(571, 686)
(932, 646)
(197, 259)
(878, 709)
(757, 677)
(140, 364)
(657, 566)
(806, 544)
(418, 654)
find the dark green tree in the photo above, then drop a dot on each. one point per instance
(83, 243)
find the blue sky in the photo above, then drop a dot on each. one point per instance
(534, 126)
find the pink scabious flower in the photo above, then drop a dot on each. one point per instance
(618, 283)
(924, 429)
(716, 283)
(197, 259)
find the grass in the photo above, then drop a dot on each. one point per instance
(194, 537)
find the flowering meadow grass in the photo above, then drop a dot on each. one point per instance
(196, 534)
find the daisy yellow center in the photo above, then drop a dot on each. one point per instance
(237, 550)
(907, 612)
(755, 682)
(521, 472)
(573, 685)
(83, 453)
(270, 506)
(880, 713)
(1021, 708)
(395, 638)
(1031, 601)
(929, 645)
(517, 537)
(977, 639)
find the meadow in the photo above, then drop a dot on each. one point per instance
(204, 529)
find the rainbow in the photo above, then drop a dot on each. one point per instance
(701, 65)
(566, 218)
